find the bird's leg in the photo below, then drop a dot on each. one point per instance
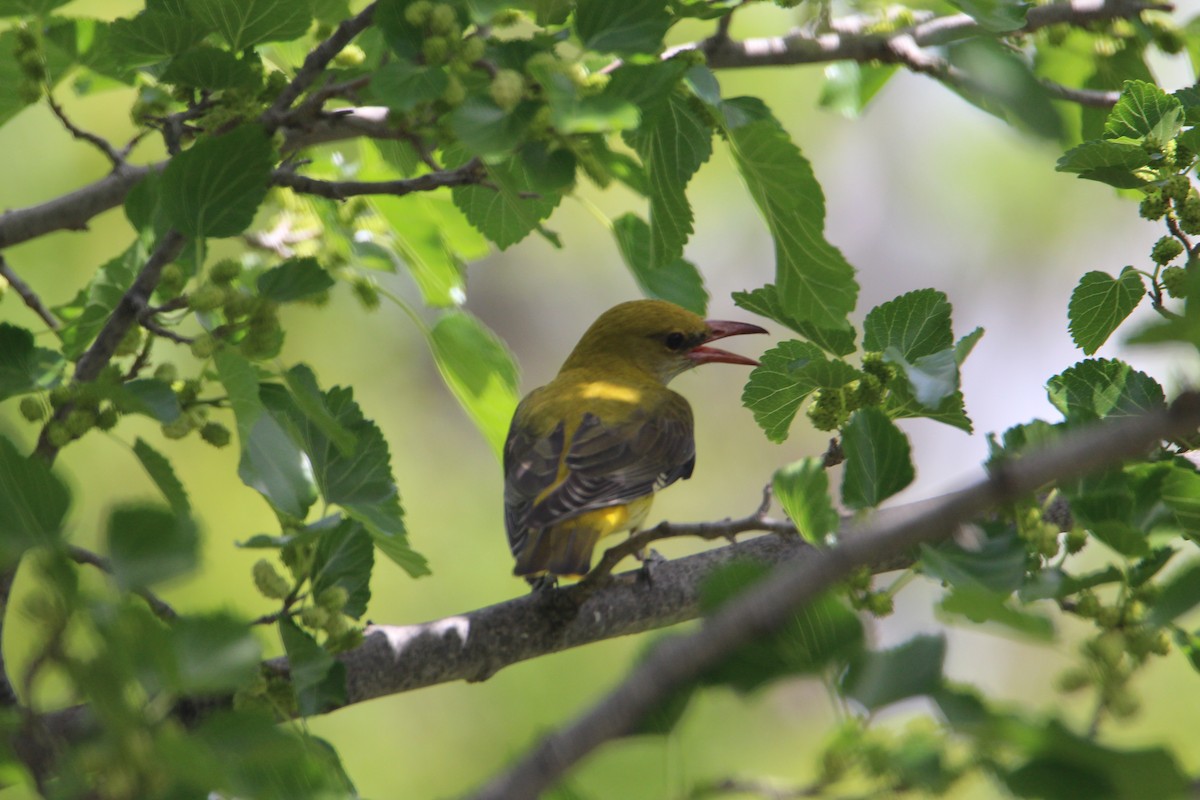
(649, 558)
(541, 583)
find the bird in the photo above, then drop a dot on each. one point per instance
(586, 452)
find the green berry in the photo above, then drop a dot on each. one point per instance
(225, 271)
(1174, 280)
(270, 583)
(239, 304)
(166, 372)
(107, 419)
(204, 346)
(1077, 538)
(507, 88)
(61, 395)
(80, 421)
(58, 435)
(314, 617)
(177, 428)
(1153, 206)
(350, 56)
(455, 92)
(1177, 187)
(418, 13)
(206, 298)
(443, 19)
(1189, 215)
(869, 391)
(188, 392)
(215, 434)
(1073, 680)
(130, 342)
(1166, 250)
(32, 409)
(473, 49)
(435, 49)
(880, 604)
(172, 279)
(333, 599)
(873, 364)
(827, 411)
(366, 292)
(1108, 617)
(1124, 705)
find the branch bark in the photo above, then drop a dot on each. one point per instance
(763, 608)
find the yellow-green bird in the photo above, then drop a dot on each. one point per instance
(586, 452)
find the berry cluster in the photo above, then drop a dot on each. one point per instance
(829, 408)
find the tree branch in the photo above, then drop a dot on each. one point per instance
(160, 607)
(469, 173)
(28, 295)
(764, 607)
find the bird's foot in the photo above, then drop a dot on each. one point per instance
(650, 559)
(541, 583)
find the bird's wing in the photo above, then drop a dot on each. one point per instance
(605, 464)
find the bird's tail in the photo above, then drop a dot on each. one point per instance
(566, 553)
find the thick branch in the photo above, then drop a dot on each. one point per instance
(763, 608)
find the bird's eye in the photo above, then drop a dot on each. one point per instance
(676, 341)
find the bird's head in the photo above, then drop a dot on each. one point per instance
(656, 337)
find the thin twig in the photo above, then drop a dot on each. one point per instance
(149, 323)
(8, 695)
(161, 608)
(28, 295)
(100, 143)
(470, 173)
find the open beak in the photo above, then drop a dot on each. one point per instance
(719, 329)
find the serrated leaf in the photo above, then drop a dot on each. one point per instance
(879, 678)
(803, 490)
(163, 474)
(32, 503)
(505, 214)
(244, 23)
(878, 460)
(479, 370)
(1099, 304)
(271, 463)
(964, 346)
(210, 68)
(573, 111)
(1181, 493)
(435, 239)
(787, 374)
(933, 378)
(90, 309)
(152, 36)
(215, 188)
(628, 27)
(148, 396)
(344, 556)
(1002, 83)
(307, 396)
(294, 279)
(1097, 388)
(1107, 161)
(765, 302)
(213, 653)
(1143, 106)
(402, 86)
(150, 544)
(318, 679)
(979, 605)
(996, 564)
(1179, 595)
(23, 367)
(485, 129)
(677, 281)
(917, 324)
(814, 282)
(23, 8)
(902, 404)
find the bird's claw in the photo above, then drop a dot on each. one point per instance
(650, 558)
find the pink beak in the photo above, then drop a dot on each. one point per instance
(719, 329)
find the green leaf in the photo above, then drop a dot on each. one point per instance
(1105, 505)
(26, 8)
(215, 188)
(878, 463)
(344, 556)
(32, 503)
(1107, 161)
(821, 633)
(307, 396)
(814, 282)
(786, 375)
(479, 370)
(932, 378)
(361, 482)
(964, 346)
(573, 111)
(765, 302)
(1097, 388)
(979, 605)
(850, 86)
(1099, 304)
(148, 396)
(628, 27)
(318, 678)
(244, 23)
(271, 463)
(90, 309)
(997, 16)
(163, 474)
(1002, 83)
(213, 653)
(917, 324)
(677, 281)
(674, 140)
(1181, 493)
(402, 86)
(487, 130)
(803, 489)
(210, 68)
(505, 214)
(996, 564)
(150, 544)
(879, 678)
(294, 279)
(1140, 112)
(152, 36)
(23, 367)
(1179, 595)
(435, 239)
